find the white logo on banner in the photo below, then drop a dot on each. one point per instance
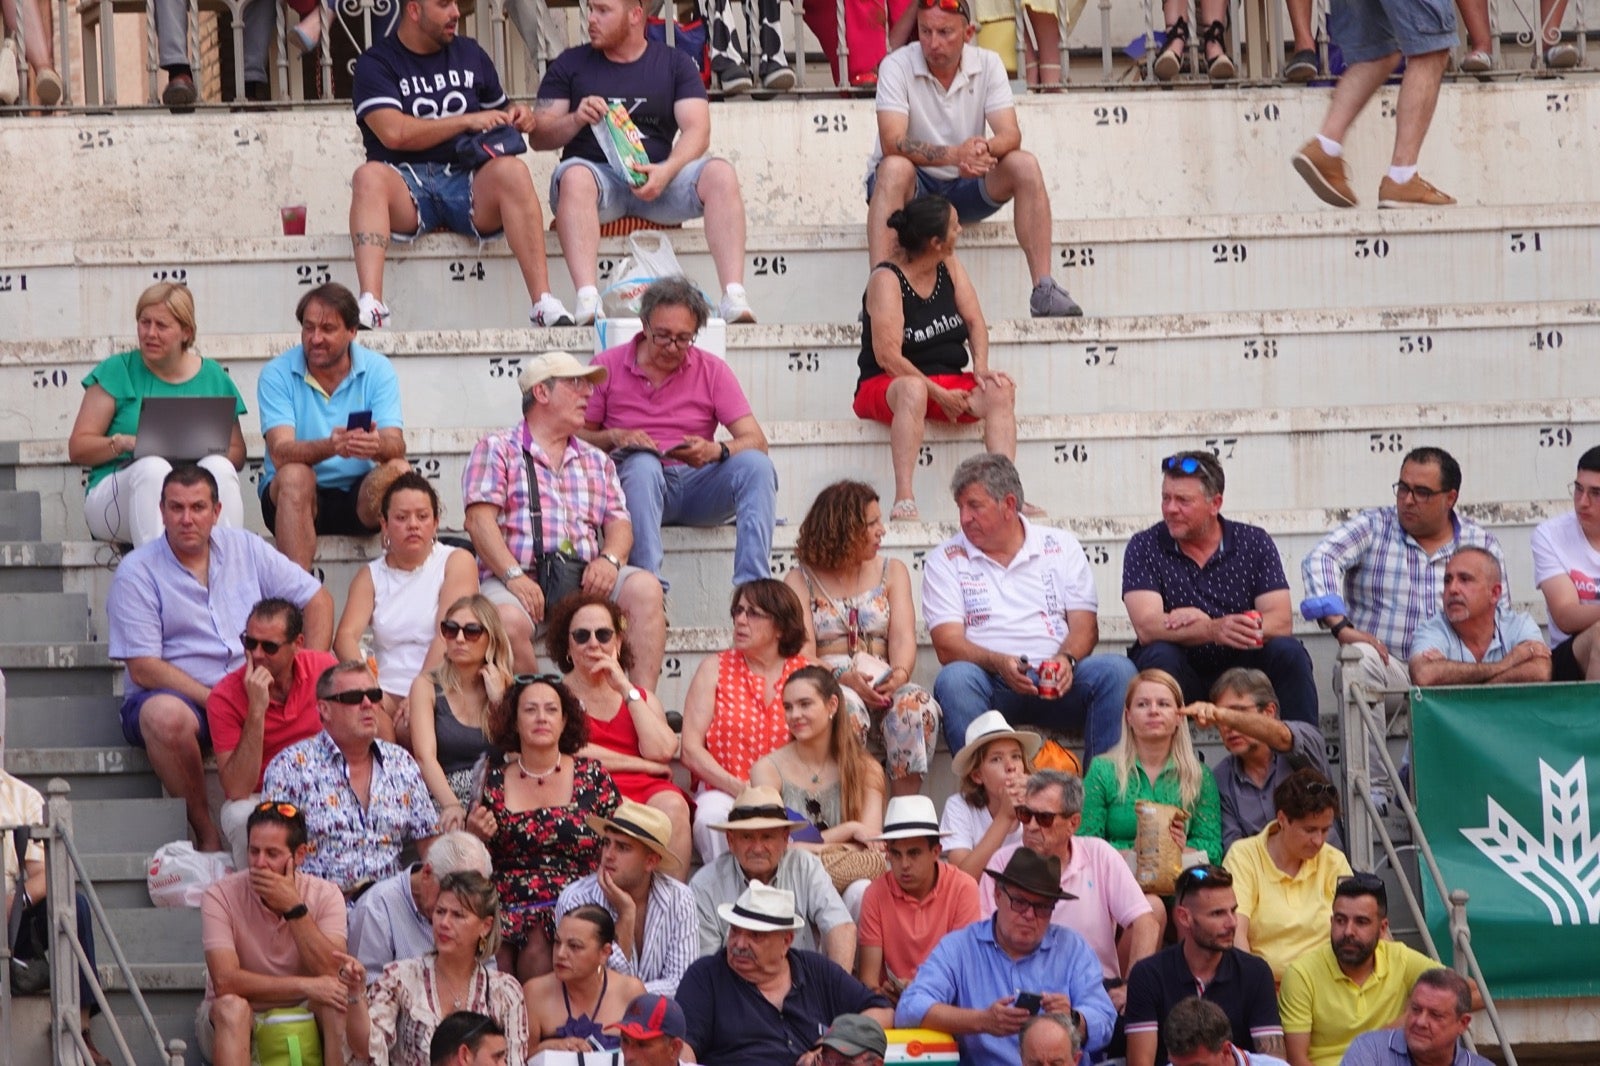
(1562, 870)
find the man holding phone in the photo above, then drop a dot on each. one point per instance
(330, 413)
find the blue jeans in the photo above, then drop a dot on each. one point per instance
(1283, 659)
(745, 488)
(1093, 703)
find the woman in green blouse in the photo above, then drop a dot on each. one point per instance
(1154, 760)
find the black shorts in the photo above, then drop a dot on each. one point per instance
(1564, 665)
(336, 512)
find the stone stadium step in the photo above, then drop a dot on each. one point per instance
(55, 721)
(1226, 361)
(116, 771)
(121, 878)
(158, 935)
(801, 162)
(1197, 265)
(19, 515)
(42, 617)
(127, 824)
(65, 669)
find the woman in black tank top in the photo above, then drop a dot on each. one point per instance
(919, 319)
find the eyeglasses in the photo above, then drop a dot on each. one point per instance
(600, 636)
(1581, 491)
(1046, 819)
(354, 697)
(744, 610)
(958, 6)
(1041, 909)
(814, 814)
(451, 630)
(1186, 465)
(1420, 493)
(1196, 877)
(269, 646)
(663, 339)
(288, 810)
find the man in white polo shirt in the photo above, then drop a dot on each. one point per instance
(937, 96)
(1008, 604)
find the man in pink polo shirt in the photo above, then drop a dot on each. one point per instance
(1104, 897)
(657, 411)
(907, 911)
(261, 708)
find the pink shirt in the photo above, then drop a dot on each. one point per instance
(694, 399)
(1108, 896)
(232, 918)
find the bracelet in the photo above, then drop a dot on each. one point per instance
(838, 673)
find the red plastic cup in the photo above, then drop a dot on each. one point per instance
(294, 220)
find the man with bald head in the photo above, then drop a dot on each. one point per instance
(1473, 640)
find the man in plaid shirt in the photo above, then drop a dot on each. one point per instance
(582, 511)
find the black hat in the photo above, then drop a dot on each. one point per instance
(1032, 872)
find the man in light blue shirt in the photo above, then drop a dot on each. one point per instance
(330, 413)
(1438, 1014)
(1472, 640)
(984, 982)
(393, 920)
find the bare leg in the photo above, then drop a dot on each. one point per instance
(676, 808)
(380, 204)
(232, 1019)
(1475, 13)
(1044, 61)
(1356, 86)
(1018, 177)
(896, 185)
(294, 493)
(1419, 95)
(908, 400)
(1586, 649)
(519, 630)
(642, 601)
(1551, 13)
(578, 224)
(997, 406)
(1300, 25)
(172, 743)
(725, 224)
(503, 199)
(907, 785)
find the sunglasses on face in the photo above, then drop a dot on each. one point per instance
(1186, 465)
(288, 810)
(356, 696)
(451, 630)
(269, 646)
(602, 635)
(1046, 819)
(1041, 909)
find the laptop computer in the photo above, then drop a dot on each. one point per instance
(184, 428)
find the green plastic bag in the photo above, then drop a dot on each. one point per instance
(619, 139)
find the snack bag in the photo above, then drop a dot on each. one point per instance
(619, 139)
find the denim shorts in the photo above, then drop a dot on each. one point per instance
(442, 193)
(1371, 29)
(966, 195)
(678, 202)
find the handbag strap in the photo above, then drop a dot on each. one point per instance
(20, 836)
(535, 506)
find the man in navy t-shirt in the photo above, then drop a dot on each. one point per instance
(667, 101)
(415, 93)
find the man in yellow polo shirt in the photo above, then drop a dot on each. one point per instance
(1355, 983)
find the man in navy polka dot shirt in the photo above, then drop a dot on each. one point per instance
(1205, 594)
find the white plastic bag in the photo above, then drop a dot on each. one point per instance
(650, 258)
(180, 875)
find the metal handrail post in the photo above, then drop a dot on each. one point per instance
(1354, 751)
(61, 893)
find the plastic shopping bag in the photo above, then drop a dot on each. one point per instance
(620, 141)
(650, 258)
(180, 875)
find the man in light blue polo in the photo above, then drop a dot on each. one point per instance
(330, 413)
(1438, 1014)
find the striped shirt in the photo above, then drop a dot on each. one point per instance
(1387, 582)
(576, 499)
(671, 930)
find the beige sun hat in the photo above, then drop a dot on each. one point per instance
(987, 728)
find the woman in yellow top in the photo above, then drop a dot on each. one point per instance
(1284, 876)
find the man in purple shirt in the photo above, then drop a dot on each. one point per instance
(177, 608)
(1205, 594)
(656, 412)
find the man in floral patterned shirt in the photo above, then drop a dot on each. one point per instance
(363, 798)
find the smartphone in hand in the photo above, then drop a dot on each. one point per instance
(1028, 1001)
(359, 420)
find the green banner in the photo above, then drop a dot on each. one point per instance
(1503, 785)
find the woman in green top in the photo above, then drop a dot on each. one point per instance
(123, 503)
(1154, 760)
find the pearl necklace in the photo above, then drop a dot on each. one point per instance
(538, 778)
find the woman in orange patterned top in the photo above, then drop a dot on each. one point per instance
(733, 714)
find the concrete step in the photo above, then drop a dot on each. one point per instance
(121, 879)
(1093, 145)
(1208, 361)
(158, 935)
(19, 515)
(106, 773)
(36, 617)
(1196, 265)
(124, 825)
(62, 721)
(65, 669)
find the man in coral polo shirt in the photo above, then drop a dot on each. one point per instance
(261, 708)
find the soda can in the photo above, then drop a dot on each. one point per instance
(1255, 616)
(1050, 679)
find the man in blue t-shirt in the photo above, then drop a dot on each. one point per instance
(415, 93)
(665, 98)
(330, 413)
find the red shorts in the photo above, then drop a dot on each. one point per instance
(872, 400)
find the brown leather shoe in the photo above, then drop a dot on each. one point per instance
(1414, 193)
(1326, 175)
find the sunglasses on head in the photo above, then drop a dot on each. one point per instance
(288, 810)
(451, 630)
(1201, 877)
(528, 679)
(1046, 819)
(1187, 465)
(602, 635)
(354, 697)
(269, 646)
(958, 6)
(1320, 788)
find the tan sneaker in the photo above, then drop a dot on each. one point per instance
(1414, 193)
(1326, 175)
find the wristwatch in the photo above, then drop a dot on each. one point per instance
(613, 560)
(725, 453)
(1339, 627)
(299, 910)
(634, 695)
(512, 573)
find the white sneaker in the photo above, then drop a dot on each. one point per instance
(588, 306)
(735, 306)
(374, 312)
(10, 85)
(550, 311)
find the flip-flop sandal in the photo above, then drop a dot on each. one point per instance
(904, 511)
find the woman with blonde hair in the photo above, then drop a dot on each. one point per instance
(450, 707)
(123, 501)
(1153, 760)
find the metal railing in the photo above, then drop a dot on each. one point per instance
(65, 877)
(1363, 729)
